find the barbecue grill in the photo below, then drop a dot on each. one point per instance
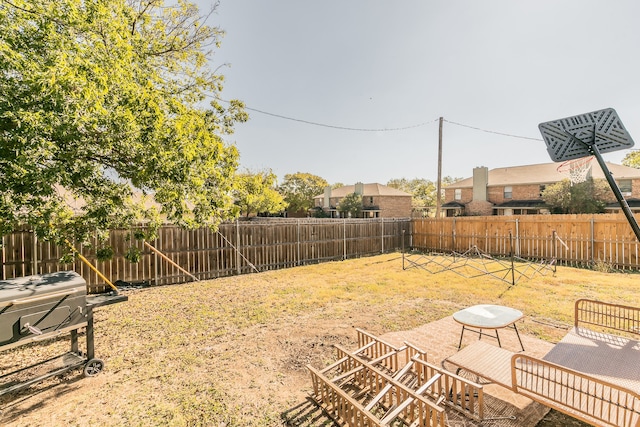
(37, 308)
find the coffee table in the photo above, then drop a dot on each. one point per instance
(488, 316)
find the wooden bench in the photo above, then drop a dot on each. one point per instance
(593, 374)
(381, 384)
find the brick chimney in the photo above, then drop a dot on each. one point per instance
(480, 182)
(327, 197)
(480, 205)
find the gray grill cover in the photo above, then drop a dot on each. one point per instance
(34, 307)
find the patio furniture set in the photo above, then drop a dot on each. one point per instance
(592, 374)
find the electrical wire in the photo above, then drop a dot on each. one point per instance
(340, 127)
(381, 129)
(491, 131)
(309, 122)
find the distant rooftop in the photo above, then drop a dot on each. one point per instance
(545, 173)
(373, 189)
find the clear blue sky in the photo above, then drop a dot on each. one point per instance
(499, 65)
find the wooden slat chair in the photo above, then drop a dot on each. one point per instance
(461, 394)
(365, 375)
(388, 397)
(387, 355)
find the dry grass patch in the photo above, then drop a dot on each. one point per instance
(232, 351)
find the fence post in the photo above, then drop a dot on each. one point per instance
(344, 239)
(35, 253)
(155, 260)
(382, 234)
(298, 238)
(517, 249)
(592, 254)
(4, 259)
(238, 246)
(453, 235)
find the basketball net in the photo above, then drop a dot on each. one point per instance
(578, 169)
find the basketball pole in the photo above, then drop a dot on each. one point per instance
(593, 149)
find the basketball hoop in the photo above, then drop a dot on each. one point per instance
(578, 169)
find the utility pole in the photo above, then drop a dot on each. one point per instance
(439, 183)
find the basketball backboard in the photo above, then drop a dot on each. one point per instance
(572, 137)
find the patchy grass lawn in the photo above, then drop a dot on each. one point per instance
(233, 351)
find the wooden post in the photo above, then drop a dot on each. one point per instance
(298, 238)
(155, 262)
(439, 184)
(382, 234)
(593, 242)
(517, 248)
(344, 239)
(238, 270)
(4, 259)
(35, 253)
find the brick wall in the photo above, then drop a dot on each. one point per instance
(495, 194)
(479, 207)
(466, 193)
(394, 206)
(390, 206)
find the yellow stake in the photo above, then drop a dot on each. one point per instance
(86, 261)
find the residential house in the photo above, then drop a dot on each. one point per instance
(517, 190)
(378, 201)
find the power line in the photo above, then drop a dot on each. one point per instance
(309, 122)
(491, 131)
(340, 127)
(280, 116)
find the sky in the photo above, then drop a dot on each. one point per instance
(352, 90)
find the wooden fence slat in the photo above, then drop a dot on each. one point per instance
(268, 244)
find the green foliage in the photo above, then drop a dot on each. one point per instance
(585, 197)
(98, 98)
(423, 191)
(104, 253)
(632, 159)
(300, 188)
(256, 193)
(133, 254)
(318, 212)
(350, 205)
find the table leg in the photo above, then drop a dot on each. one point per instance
(518, 334)
(461, 335)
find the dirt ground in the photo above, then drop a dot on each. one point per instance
(221, 353)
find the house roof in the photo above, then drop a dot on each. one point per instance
(368, 190)
(632, 203)
(452, 205)
(545, 173)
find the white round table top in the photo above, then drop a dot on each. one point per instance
(487, 316)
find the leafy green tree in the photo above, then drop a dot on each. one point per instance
(257, 193)
(585, 197)
(350, 205)
(423, 191)
(300, 188)
(632, 159)
(100, 100)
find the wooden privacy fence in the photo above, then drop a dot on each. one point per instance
(236, 248)
(578, 240)
(252, 246)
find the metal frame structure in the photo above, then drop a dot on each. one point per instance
(475, 263)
